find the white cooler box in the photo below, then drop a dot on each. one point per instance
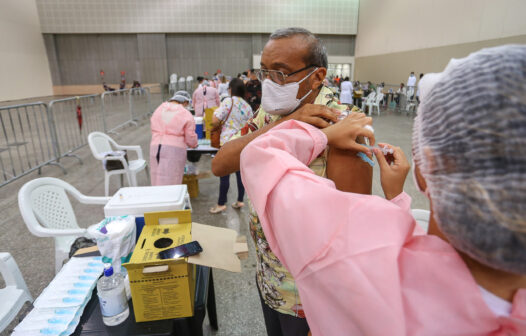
(135, 201)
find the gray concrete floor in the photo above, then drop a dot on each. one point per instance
(238, 306)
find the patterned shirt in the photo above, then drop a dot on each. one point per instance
(276, 284)
(240, 114)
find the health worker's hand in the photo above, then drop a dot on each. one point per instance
(393, 170)
(343, 134)
(316, 115)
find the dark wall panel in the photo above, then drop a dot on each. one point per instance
(152, 56)
(339, 45)
(76, 59)
(81, 57)
(192, 54)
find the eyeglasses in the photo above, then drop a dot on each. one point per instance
(277, 76)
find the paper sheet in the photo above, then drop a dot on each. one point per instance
(218, 247)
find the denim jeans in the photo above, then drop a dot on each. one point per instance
(224, 185)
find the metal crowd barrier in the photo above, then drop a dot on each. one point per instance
(139, 103)
(74, 119)
(117, 110)
(36, 134)
(159, 93)
(27, 141)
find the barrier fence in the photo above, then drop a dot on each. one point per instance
(116, 110)
(74, 118)
(37, 134)
(27, 140)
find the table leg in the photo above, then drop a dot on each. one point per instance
(211, 303)
(196, 322)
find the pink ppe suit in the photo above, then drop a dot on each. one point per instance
(359, 267)
(169, 142)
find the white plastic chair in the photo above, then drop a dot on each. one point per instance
(421, 217)
(410, 92)
(411, 103)
(15, 293)
(368, 100)
(173, 83)
(375, 103)
(101, 143)
(47, 212)
(182, 84)
(189, 84)
(402, 101)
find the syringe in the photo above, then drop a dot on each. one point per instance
(385, 150)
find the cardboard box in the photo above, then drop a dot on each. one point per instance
(192, 184)
(165, 289)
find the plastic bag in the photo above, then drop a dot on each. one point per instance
(115, 237)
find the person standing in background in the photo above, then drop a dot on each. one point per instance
(418, 88)
(173, 130)
(253, 96)
(222, 87)
(411, 83)
(214, 82)
(234, 112)
(346, 92)
(200, 80)
(205, 97)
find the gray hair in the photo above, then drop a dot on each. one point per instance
(317, 52)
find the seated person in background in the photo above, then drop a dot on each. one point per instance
(372, 87)
(293, 67)
(107, 88)
(357, 94)
(136, 84)
(361, 265)
(401, 91)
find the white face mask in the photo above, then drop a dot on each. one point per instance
(281, 99)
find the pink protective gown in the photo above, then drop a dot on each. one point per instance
(205, 97)
(358, 266)
(174, 137)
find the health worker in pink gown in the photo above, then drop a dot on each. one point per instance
(173, 130)
(361, 264)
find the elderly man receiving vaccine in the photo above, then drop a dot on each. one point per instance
(293, 68)
(360, 264)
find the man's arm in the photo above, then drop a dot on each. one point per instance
(349, 172)
(227, 159)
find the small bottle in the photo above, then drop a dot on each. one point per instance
(112, 298)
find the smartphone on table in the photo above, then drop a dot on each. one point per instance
(181, 251)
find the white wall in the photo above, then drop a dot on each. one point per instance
(387, 26)
(24, 69)
(197, 16)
